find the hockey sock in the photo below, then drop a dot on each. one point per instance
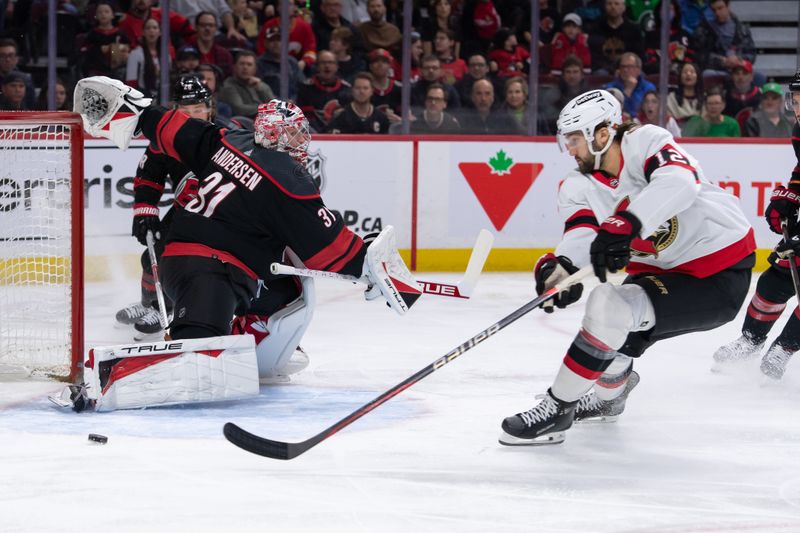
(789, 339)
(586, 360)
(761, 316)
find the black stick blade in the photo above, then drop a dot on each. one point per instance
(258, 445)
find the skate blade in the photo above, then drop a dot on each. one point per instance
(598, 419)
(545, 440)
(146, 337)
(767, 381)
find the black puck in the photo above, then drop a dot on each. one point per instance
(98, 439)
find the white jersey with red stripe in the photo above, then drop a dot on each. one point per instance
(689, 225)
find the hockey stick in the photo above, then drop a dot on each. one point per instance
(462, 289)
(792, 264)
(151, 250)
(289, 450)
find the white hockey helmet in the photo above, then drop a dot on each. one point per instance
(584, 114)
(282, 126)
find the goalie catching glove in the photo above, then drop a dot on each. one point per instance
(109, 108)
(387, 275)
(550, 270)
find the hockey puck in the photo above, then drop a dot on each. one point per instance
(95, 438)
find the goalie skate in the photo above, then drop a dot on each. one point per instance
(543, 424)
(591, 409)
(131, 314)
(298, 362)
(148, 327)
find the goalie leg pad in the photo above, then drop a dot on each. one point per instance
(133, 376)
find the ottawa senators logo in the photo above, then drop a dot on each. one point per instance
(660, 240)
(316, 167)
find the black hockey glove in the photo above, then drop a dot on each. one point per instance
(611, 249)
(783, 203)
(145, 218)
(549, 270)
(786, 250)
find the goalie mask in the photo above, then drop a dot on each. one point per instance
(584, 114)
(282, 126)
(793, 95)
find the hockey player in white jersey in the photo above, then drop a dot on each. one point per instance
(638, 201)
(775, 287)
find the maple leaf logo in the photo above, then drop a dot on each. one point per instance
(500, 163)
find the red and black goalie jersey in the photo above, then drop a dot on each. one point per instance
(252, 201)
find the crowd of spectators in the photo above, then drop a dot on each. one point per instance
(470, 60)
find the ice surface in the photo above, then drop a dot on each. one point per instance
(694, 452)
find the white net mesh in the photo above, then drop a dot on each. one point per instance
(35, 249)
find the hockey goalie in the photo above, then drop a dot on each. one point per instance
(254, 200)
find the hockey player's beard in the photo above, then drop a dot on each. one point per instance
(586, 164)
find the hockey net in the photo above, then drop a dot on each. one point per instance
(41, 245)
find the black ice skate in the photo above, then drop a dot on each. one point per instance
(773, 365)
(544, 423)
(737, 351)
(590, 408)
(132, 313)
(148, 327)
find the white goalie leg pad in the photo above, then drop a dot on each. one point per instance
(109, 108)
(388, 275)
(612, 312)
(285, 328)
(173, 372)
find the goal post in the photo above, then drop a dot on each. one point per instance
(41, 244)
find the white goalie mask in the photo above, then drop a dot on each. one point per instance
(282, 126)
(584, 114)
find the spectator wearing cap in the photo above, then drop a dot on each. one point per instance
(434, 119)
(331, 19)
(269, 65)
(507, 58)
(479, 22)
(211, 52)
(13, 97)
(723, 41)
(481, 120)
(612, 25)
(386, 95)
(432, 73)
(244, 91)
(219, 8)
(9, 59)
(187, 59)
(570, 41)
(712, 122)
(442, 19)
(742, 93)
(350, 63)
(107, 47)
(769, 120)
(132, 24)
(376, 32)
(210, 76)
(631, 82)
(323, 93)
(454, 68)
(360, 115)
(302, 42)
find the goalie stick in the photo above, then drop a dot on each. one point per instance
(162, 308)
(289, 450)
(462, 289)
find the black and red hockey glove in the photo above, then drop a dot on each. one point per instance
(783, 203)
(551, 269)
(145, 217)
(611, 249)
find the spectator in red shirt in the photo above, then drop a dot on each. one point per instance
(507, 59)
(210, 51)
(302, 42)
(453, 67)
(180, 29)
(570, 41)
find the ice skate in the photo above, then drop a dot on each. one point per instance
(737, 351)
(148, 327)
(773, 365)
(132, 313)
(543, 424)
(590, 408)
(297, 363)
